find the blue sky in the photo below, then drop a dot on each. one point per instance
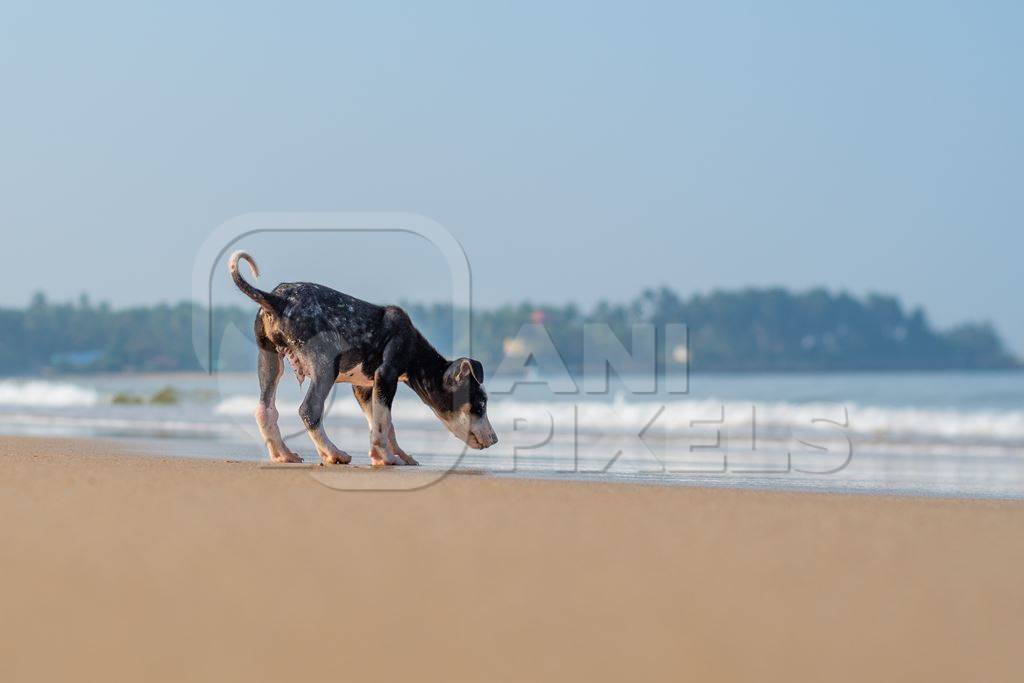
(579, 151)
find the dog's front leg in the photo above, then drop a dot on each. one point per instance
(393, 444)
(312, 412)
(385, 383)
(364, 395)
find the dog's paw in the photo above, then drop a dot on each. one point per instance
(286, 456)
(381, 458)
(336, 458)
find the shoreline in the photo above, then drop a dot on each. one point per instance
(704, 482)
(168, 568)
(193, 449)
(760, 373)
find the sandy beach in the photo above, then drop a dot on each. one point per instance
(119, 566)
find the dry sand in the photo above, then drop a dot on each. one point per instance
(125, 567)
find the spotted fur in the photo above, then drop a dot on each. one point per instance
(331, 337)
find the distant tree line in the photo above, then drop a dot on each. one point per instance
(746, 330)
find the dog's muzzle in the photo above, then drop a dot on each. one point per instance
(482, 435)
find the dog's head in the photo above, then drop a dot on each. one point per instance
(465, 411)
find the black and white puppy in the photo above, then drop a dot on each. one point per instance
(332, 337)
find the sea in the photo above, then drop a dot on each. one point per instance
(949, 434)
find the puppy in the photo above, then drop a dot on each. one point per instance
(332, 337)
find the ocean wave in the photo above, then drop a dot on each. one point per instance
(774, 419)
(685, 417)
(92, 423)
(344, 408)
(45, 394)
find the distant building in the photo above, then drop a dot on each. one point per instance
(681, 354)
(514, 347)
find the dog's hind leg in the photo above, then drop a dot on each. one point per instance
(312, 413)
(271, 367)
(364, 395)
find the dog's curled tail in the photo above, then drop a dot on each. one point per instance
(259, 296)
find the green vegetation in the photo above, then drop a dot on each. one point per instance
(752, 330)
(748, 330)
(168, 396)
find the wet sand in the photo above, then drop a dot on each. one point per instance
(118, 566)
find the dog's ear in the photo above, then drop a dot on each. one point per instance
(478, 370)
(460, 369)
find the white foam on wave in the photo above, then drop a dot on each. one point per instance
(45, 394)
(680, 418)
(343, 407)
(89, 424)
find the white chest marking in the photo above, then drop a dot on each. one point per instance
(355, 376)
